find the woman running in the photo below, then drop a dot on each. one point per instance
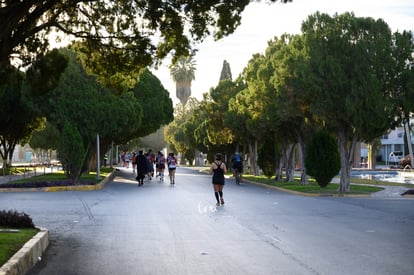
(218, 169)
(172, 166)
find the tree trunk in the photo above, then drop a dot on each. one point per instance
(3, 154)
(301, 148)
(254, 170)
(290, 164)
(409, 144)
(372, 162)
(346, 156)
(279, 173)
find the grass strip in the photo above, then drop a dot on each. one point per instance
(60, 176)
(11, 242)
(312, 187)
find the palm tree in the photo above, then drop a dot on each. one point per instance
(182, 72)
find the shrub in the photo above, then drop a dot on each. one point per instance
(71, 151)
(322, 158)
(267, 157)
(15, 219)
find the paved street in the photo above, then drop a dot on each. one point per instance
(159, 229)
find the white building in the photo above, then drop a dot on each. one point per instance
(393, 141)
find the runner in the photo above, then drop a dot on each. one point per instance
(218, 169)
(160, 164)
(172, 166)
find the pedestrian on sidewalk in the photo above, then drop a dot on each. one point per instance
(218, 169)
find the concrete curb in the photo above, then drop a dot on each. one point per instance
(63, 188)
(24, 259)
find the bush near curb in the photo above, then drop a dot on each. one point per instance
(14, 219)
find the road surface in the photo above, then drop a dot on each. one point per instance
(159, 229)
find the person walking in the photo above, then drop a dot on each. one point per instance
(142, 167)
(172, 166)
(218, 169)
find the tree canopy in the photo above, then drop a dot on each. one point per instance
(348, 79)
(117, 37)
(90, 108)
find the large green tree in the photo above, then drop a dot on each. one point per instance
(80, 100)
(117, 37)
(155, 102)
(348, 78)
(285, 98)
(19, 117)
(403, 83)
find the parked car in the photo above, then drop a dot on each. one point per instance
(395, 157)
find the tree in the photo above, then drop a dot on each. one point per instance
(183, 72)
(18, 117)
(348, 75)
(322, 158)
(268, 153)
(91, 109)
(291, 119)
(155, 101)
(116, 37)
(71, 151)
(403, 84)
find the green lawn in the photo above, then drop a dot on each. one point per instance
(60, 175)
(313, 187)
(11, 242)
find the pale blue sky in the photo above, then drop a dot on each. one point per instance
(261, 22)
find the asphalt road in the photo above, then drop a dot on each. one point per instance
(159, 229)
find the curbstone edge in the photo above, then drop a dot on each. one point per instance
(24, 259)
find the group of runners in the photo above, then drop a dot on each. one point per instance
(143, 166)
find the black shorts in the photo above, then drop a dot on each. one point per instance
(238, 166)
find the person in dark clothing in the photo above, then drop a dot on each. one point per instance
(142, 167)
(218, 169)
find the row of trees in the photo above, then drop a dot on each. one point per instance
(70, 115)
(116, 41)
(347, 75)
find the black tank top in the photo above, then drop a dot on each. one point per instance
(218, 174)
